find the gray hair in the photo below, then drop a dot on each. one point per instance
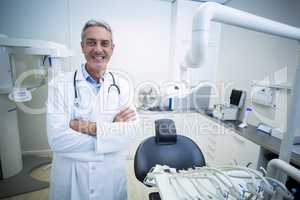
(92, 23)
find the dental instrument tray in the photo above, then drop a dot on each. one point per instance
(224, 183)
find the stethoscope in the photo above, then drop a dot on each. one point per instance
(76, 99)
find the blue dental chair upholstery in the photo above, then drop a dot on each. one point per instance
(166, 148)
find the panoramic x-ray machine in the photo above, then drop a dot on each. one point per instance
(23, 67)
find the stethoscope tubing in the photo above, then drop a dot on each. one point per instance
(111, 85)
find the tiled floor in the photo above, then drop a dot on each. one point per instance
(136, 190)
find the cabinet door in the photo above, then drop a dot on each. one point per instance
(224, 150)
(233, 149)
(247, 152)
(208, 134)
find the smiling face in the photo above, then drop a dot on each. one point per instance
(97, 48)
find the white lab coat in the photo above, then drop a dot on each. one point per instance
(86, 167)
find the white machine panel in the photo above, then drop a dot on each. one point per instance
(5, 74)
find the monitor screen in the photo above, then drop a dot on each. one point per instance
(235, 97)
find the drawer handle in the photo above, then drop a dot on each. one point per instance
(212, 140)
(211, 156)
(238, 139)
(212, 149)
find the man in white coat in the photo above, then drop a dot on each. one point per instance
(90, 123)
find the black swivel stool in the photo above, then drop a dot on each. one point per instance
(166, 148)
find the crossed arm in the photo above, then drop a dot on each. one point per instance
(90, 128)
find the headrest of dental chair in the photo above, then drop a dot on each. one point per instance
(165, 131)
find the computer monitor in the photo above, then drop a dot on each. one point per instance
(237, 98)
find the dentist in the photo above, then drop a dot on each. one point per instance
(90, 123)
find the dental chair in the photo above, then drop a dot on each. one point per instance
(166, 148)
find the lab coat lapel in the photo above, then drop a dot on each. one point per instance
(107, 103)
(86, 98)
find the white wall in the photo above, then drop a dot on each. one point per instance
(247, 56)
(141, 34)
(38, 19)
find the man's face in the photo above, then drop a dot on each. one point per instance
(97, 47)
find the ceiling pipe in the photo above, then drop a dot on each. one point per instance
(211, 11)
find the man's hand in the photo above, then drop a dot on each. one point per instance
(82, 126)
(125, 115)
